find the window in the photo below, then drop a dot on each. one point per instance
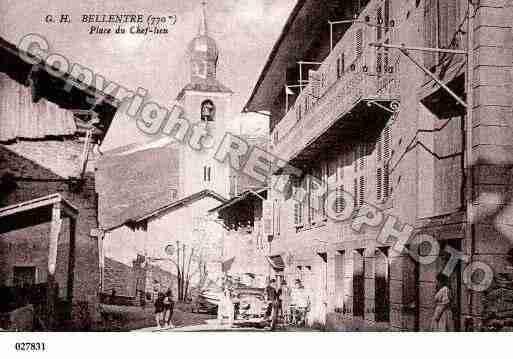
(234, 185)
(379, 20)
(339, 199)
(386, 67)
(298, 112)
(316, 205)
(24, 276)
(298, 213)
(207, 173)
(387, 15)
(277, 218)
(297, 184)
(379, 61)
(208, 111)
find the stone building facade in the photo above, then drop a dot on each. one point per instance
(369, 121)
(48, 148)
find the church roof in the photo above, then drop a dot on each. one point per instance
(204, 85)
(148, 213)
(203, 46)
(135, 183)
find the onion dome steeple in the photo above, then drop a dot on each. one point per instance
(203, 52)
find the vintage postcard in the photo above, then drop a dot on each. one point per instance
(256, 165)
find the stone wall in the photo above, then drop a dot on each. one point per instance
(34, 180)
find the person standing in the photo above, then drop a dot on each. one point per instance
(301, 302)
(159, 310)
(168, 308)
(285, 301)
(271, 296)
(442, 316)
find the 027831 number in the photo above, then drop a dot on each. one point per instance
(30, 346)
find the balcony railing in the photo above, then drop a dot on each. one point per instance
(334, 89)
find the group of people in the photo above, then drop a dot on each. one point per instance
(164, 306)
(292, 305)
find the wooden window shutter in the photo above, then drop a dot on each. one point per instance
(355, 192)
(361, 190)
(296, 213)
(379, 179)
(386, 182)
(358, 43)
(379, 63)
(386, 143)
(386, 64)
(339, 199)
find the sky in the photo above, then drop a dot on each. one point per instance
(245, 31)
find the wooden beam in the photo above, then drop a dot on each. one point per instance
(55, 228)
(71, 257)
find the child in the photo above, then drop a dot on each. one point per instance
(159, 309)
(168, 309)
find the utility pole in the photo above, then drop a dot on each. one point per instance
(468, 160)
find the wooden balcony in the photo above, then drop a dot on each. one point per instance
(355, 101)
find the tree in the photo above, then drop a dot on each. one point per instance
(191, 259)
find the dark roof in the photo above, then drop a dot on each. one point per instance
(205, 85)
(298, 41)
(242, 197)
(272, 55)
(147, 214)
(21, 118)
(54, 89)
(130, 185)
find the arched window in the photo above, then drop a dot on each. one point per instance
(208, 111)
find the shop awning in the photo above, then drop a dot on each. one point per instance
(276, 262)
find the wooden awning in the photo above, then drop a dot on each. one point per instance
(276, 262)
(34, 212)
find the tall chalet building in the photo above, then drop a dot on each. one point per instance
(377, 123)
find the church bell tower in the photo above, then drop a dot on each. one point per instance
(206, 102)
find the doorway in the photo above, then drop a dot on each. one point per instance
(382, 285)
(358, 283)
